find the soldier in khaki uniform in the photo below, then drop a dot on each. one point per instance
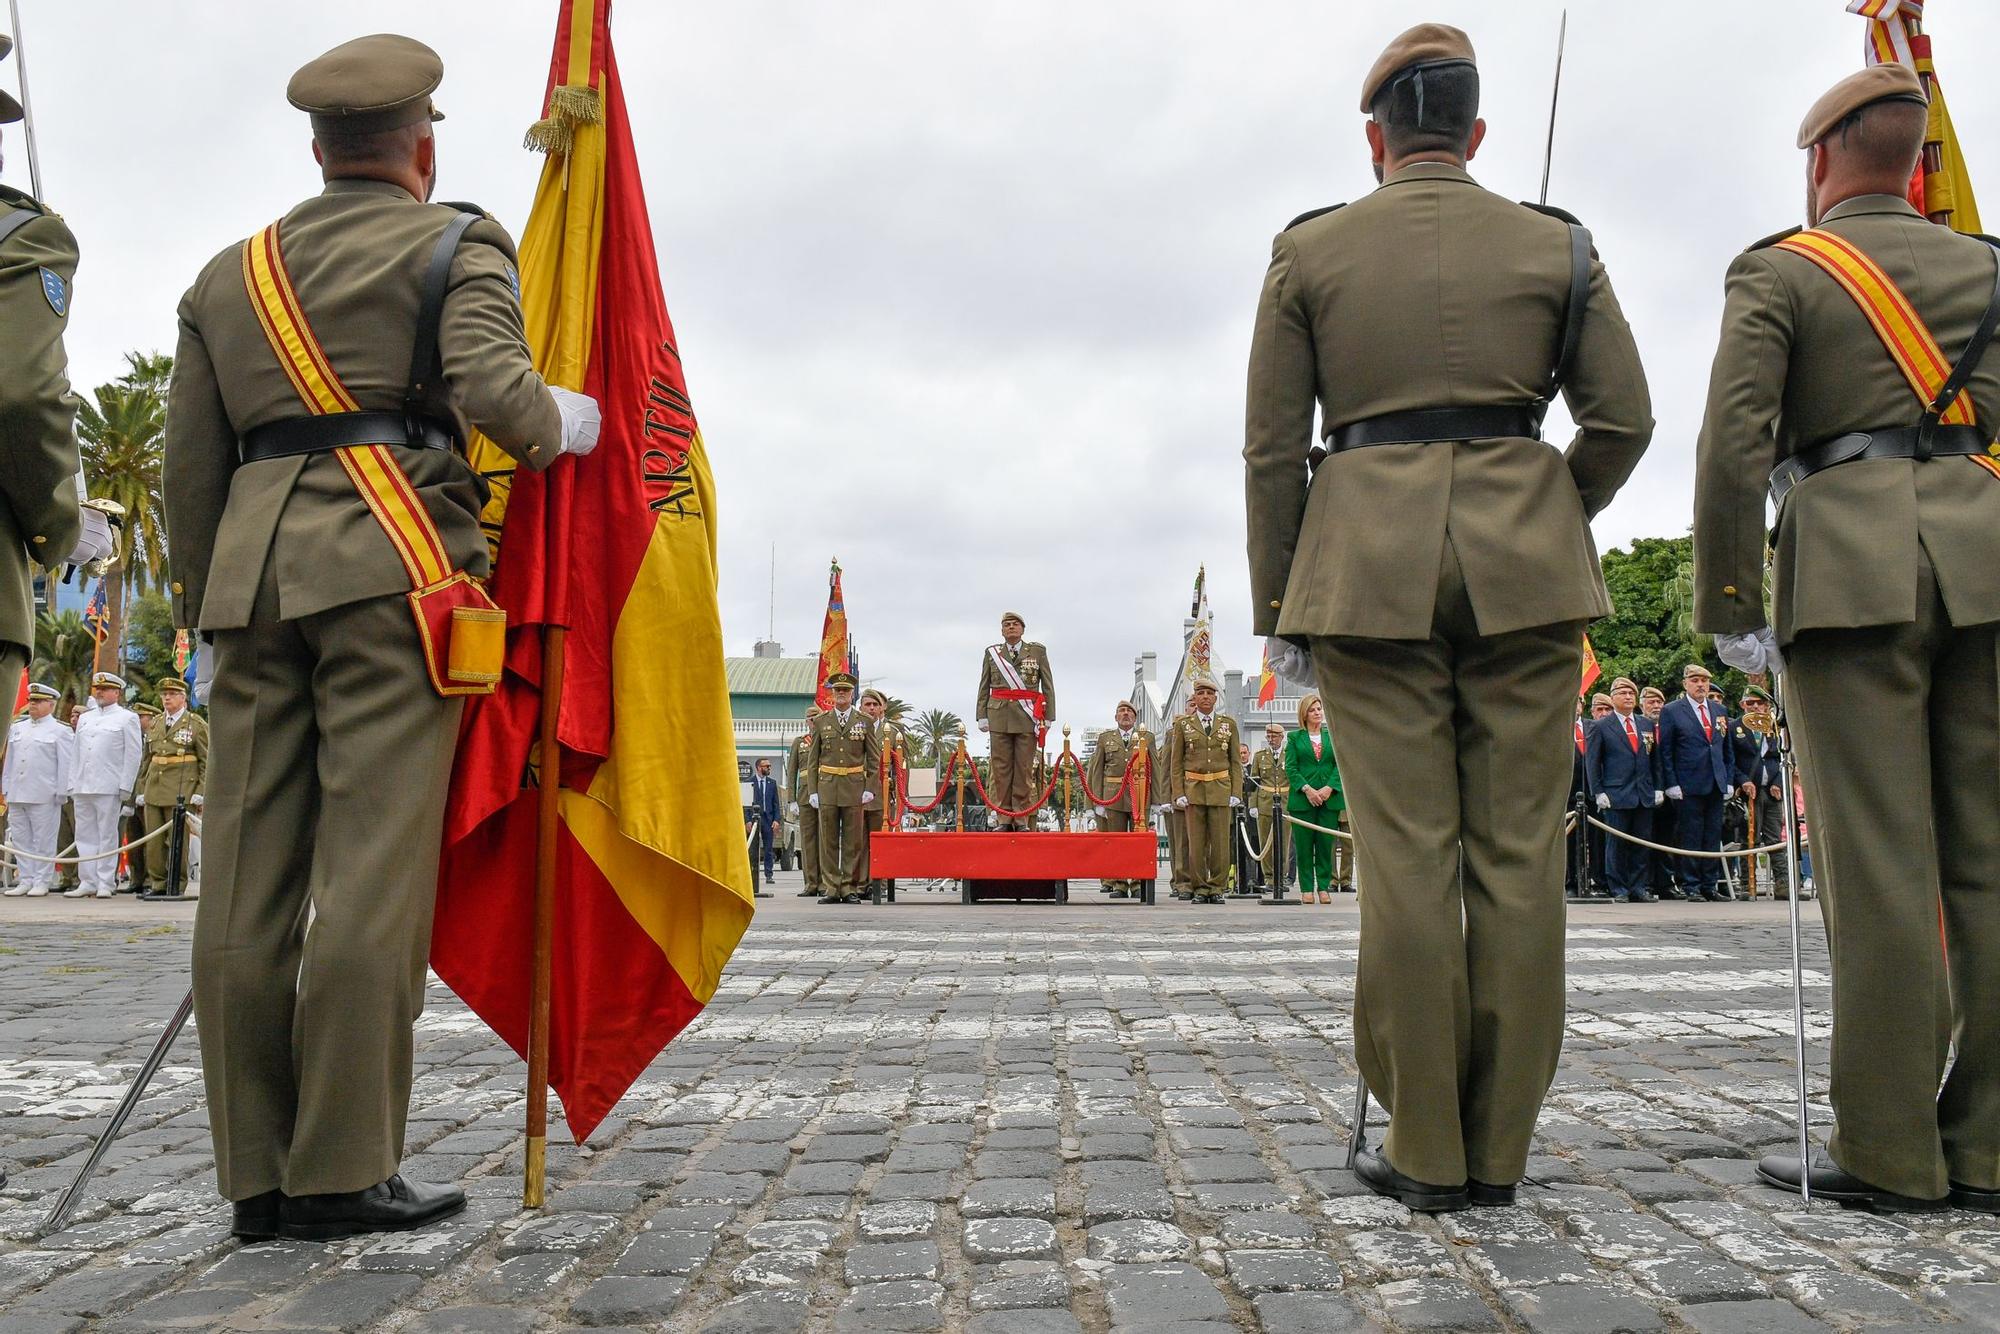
(1429, 323)
(1116, 750)
(844, 757)
(1205, 780)
(1273, 789)
(1016, 704)
(1178, 881)
(1886, 579)
(803, 811)
(332, 748)
(893, 738)
(40, 520)
(171, 769)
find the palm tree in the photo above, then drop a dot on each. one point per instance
(122, 433)
(938, 729)
(64, 648)
(895, 710)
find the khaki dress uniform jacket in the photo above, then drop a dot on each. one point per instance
(1011, 725)
(171, 770)
(1886, 594)
(1110, 759)
(803, 784)
(40, 518)
(844, 757)
(332, 753)
(1202, 766)
(893, 737)
(1273, 789)
(1451, 630)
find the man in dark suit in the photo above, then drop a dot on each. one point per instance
(1666, 816)
(1622, 767)
(765, 812)
(1758, 764)
(1698, 764)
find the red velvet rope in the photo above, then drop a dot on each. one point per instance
(901, 780)
(944, 788)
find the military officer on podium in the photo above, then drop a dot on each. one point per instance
(1016, 704)
(1205, 781)
(1108, 774)
(844, 757)
(313, 398)
(176, 762)
(1854, 388)
(804, 815)
(1430, 323)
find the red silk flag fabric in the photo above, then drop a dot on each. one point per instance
(1267, 682)
(833, 646)
(1592, 669)
(653, 890)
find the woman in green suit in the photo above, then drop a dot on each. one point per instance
(1315, 797)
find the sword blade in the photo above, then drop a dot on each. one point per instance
(1555, 96)
(27, 102)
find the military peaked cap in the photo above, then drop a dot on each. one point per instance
(1888, 82)
(840, 681)
(369, 85)
(107, 681)
(40, 691)
(171, 683)
(872, 693)
(1425, 46)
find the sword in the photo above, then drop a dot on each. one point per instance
(1555, 96)
(27, 103)
(1785, 766)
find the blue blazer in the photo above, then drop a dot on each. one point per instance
(1629, 780)
(1696, 764)
(1752, 767)
(764, 796)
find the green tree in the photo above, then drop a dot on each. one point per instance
(122, 430)
(149, 642)
(64, 648)
(1649, 635)
(938, 730)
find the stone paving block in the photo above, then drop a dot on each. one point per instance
(1256, 1271)
(828, 1148)
(1529, 1264)
(31, 1323)
(664, 1254)
(1581, 1308)
(1398, 1255)
(1268, 1231)
(346, 1301)
(765, 1159)
(1662, 1187)
(1365, 1211)
(1713, 1218)
(1134, 1148)
(934, 1187)
(622, 1299)
(1477, 1226)
(999, 1239)
(1848, 1229)
(1309, 1313)
(782, 1312)
(472, 1320)
(1105, 1204)
(525, 1279)
(1236, 1197)
(1223, 1167)
(1009, 1197)
(1697, 1278)
(1758, 1317)
(691, 1218)
(1837, 1296)
(1924, 1264)
(1770, 1252)
(897, 1220)
(905, 1305)
(1434, 1303)
(193, 1308)
(270, 1266)
(572, 1234)
(1148, 1296)
(24, 1270)
(892, 1261)
(1139, 1241)
(1008, 1320)
(774, 1269)
(719, 1188)
(1044, 1289)
(1619, 1237)
(100, 1291)
(947, 1157)
(823, 1178)
(1978, 1304)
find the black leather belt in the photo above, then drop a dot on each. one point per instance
(1901, 442)
(339, 430)
(1428, 425)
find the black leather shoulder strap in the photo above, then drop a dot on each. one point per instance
(1579, 301)
(1551, 211)
(1968, 361)
(424, 366)
(1310, 214)
(14, 219)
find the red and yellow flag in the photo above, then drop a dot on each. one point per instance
(653, 889)
(1941, 189)
(835, 654)
(1592, 668)
(1267, 681)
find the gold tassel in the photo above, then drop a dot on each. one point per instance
(569, 107)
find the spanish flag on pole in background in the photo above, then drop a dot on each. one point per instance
(1941, 188)
(653, 888)
(1592, 668)
(835, 654)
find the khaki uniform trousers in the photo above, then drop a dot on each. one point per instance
(330, 759)
(1208, 848)
(1177, 851)
(1458, 741)
(1273, 833)
(156, 852)
(1115, 821)
(1011, 759)
(13, 661)
(843, 850)
(808, 819)
(1898, 729)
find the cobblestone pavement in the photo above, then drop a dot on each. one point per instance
(1007, 1120)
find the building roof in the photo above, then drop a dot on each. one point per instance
(772, 676)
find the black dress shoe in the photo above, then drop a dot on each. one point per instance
(397, 1205)
(1723, 894)
(1641, 896)
(1490, 1197)
(1375, 1173)
(256, 1219)
(1669, 893)
(1978, 1201)
(1829, 1181)
(808, 893)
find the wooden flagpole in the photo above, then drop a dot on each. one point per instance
(534, 1165)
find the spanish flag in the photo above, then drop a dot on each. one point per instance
(653, 888)
(1592, 669)
(835, 655)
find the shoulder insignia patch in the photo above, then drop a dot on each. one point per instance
(1310, 214)
(1550, 210)
(513, 281)
(57, 291)
(1773, 239)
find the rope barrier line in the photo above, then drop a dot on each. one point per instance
(1684, 852)
(1316, 828)
(59, 860)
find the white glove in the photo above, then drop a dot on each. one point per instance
(124, 812)
(96, 541)
(1659, 797)
(204, 673)
(1753, 654)
(580, 420)
(1180, 803)
(139, 800)
(1291, 663)
(867, 797)
(982, 724)
(1675, 793)
(1100, 811)
(195, 801)
(813, 797)
(1603, 801)
(794, 809)
(1236, 801)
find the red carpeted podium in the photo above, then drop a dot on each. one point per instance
(1018, 865)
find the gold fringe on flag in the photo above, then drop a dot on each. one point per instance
(569, 107)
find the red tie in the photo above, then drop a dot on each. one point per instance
(1706, 730)
(1579, 737)
(1632, 735)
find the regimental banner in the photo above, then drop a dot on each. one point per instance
(836, 653)
(1941, 189)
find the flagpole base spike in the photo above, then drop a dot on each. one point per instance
(534, 1174)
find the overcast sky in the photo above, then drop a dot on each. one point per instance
(965, 291)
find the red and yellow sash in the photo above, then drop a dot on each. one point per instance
(1895, 321)
(461, 629)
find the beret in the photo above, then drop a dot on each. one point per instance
(1425, 45)
(1876, 83)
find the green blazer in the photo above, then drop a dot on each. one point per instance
(1308, 771)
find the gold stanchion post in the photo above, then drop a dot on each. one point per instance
(1065, 764)
(964, 762)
